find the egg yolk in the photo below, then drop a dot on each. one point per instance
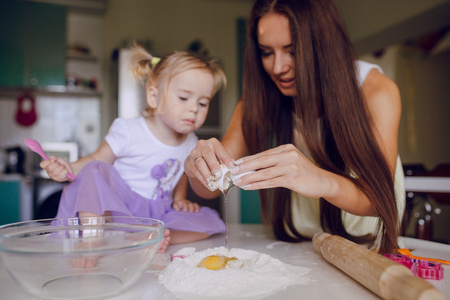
(215, 262)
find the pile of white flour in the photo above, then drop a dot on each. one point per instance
(252, 275)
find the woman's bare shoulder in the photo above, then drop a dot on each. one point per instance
(377, 84)
(381, 93)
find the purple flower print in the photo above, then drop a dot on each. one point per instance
(165, 174)
(158, 171)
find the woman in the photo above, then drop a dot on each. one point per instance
(320, 127)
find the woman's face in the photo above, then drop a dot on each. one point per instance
(275, 44)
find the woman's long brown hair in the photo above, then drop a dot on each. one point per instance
(327, 89)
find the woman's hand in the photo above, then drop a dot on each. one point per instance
(283, 166)
(185, 205)
(57, 168)
(203, 164)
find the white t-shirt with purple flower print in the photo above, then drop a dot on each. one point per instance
(150, 167)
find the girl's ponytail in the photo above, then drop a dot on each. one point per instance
(141, 64)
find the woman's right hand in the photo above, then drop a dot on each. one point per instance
(204, 162)
(57, 168)
(202, 166)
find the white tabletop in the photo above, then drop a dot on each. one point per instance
(327, 282)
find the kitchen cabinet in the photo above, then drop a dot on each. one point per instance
(250, 207)
(82, 73)
(32, 44)
(9, 205)
(15, 198)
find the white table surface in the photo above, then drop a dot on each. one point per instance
(328, 282)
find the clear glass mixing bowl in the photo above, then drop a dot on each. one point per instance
(79, 258)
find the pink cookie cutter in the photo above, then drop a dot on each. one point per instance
(420, 268)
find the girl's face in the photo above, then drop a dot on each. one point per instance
(275, 44)
(187, 101)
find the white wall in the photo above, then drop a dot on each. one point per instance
(375, 24)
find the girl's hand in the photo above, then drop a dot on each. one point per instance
(185, 205)
(57, 168)
(204, 161)
(283, 166)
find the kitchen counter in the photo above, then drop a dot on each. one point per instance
(327, 282)
(427, 184)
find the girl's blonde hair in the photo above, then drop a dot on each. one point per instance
(159, 74)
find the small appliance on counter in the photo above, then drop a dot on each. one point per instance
(15, 160)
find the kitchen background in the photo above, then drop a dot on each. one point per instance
(61, 82)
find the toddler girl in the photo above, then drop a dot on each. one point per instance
(138, 169)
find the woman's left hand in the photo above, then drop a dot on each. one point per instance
(283, 166)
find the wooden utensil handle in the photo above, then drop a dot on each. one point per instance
(381, 275)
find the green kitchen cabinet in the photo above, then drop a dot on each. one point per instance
(32, 44)
(250, 207)
(16, 198)
(9, 201)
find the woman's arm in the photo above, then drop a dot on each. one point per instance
(234, 141)
(285, 166)
(384, 105)
(203, 164)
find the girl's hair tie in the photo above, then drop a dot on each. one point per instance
(155, 60)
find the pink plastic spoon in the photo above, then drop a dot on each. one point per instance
(36, 147)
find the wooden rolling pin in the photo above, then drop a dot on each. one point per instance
(384, 277)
